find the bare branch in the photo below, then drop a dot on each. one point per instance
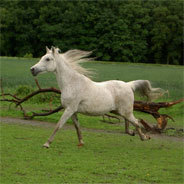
(146, 107)
(46, 90)
(36, 80)
(44, 114)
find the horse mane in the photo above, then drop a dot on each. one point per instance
(74, 58)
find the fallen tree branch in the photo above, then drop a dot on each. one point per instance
(46, 90)
(151, 108)
(38, 85)
(18, 101)
(44, 114)
(109, 116)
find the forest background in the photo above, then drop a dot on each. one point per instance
(137, 31)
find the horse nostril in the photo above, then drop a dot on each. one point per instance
(33, 71)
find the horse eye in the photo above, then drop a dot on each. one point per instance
(47, 59)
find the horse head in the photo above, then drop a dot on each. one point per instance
(47, 62)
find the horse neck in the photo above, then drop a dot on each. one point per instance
(64, 75)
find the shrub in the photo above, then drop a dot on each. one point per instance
(24, 90)
(28, 55)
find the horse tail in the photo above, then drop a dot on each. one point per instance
(144, 88)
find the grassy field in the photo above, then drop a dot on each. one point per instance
(16, 72)
(105, 158)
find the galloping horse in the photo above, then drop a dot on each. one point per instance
(82, 95)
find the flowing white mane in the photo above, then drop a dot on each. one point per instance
(75, 57)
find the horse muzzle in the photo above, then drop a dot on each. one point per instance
(34, 71)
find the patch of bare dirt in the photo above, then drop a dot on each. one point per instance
(44, 124)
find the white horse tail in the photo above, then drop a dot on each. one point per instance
(144, 88)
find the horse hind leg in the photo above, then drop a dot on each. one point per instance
(77, 127)
(127, 130)
(135, 122)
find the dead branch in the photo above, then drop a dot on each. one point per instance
(151, 108)
(8, 94)
(109, 116)
(36, 81)
(18, 101)
(46, 90)
(34, 114)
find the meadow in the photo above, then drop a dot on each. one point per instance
(15, 74)
(106, 157)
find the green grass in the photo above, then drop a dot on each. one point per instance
(16, 72)
(96, 122)
(105, 158)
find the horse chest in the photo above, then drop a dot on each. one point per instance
(67, 99)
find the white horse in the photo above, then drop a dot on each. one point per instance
(79, 94)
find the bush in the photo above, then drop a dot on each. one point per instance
(28, 55)
(46, 98)
(24, 90)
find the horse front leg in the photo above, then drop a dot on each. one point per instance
(77, 127)
(66, 115)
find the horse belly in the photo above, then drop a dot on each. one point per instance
(96, 107)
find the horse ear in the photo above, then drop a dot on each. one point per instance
(53, 49)
(58, 50)
(47, 49)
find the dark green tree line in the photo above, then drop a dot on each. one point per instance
(127, 31)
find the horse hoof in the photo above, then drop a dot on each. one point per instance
(131, 133)
(80, 144)
(146, 137)
(46, 145)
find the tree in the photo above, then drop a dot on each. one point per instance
(126, 31)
